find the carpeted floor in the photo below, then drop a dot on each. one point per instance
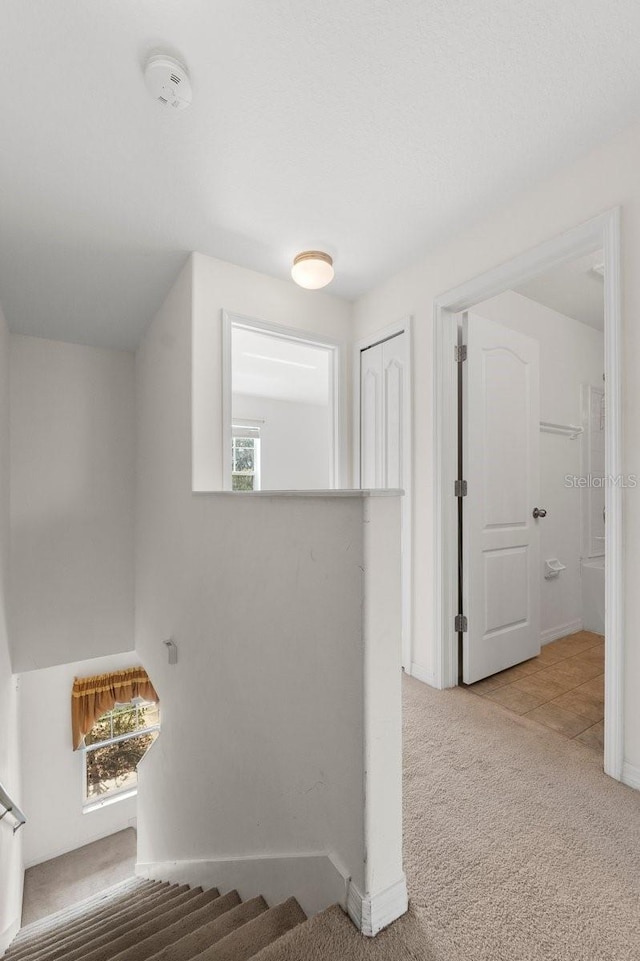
(517, 847)
(61, 882)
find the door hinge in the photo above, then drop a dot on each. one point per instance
(460, 353)
(460, 488)
(461, 623)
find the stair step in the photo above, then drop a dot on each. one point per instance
(137, 900)
(255, 935)
(142, 920)
(123, 920)
(198, 941)
(329, 933)
(96, 902)
(110, 909)
(180, 930)
(126, 917)
(120, 942)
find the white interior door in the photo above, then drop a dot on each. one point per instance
(385, 443)
(501, 545)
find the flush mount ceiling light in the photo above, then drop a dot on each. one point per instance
(312, 269)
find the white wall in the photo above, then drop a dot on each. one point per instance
(605, 178)
(10, 845)
(218, 286)
(571, 354)
(294, 442)
(72, 498)
(52, 771)
(266, 746)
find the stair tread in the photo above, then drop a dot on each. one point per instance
(330, 933)
(198, 941)
(180, 930)
(135, 895)
(126, 918)
(137, 934)
(93, 903)
(130, 912)
(257, 934)
(142, 920)
(139, 900)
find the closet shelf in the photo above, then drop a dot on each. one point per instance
(567, 430)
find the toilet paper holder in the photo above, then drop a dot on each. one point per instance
(552, 568)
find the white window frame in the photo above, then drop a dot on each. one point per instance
(93, 804)
(339, 466)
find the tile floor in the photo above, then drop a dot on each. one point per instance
(562, 688)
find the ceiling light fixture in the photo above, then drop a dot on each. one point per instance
(312, 269)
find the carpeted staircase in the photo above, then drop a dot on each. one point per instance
(154, 921)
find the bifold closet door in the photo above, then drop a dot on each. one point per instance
(385, 441)
(383, 377)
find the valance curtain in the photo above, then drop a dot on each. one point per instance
(91, 697)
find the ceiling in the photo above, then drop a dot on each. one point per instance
(573, 289)
(370, 128)
(267, 366)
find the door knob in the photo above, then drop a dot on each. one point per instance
(539, 512)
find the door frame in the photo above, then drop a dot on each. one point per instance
(337, 392)
(602, 232)
(404, 325)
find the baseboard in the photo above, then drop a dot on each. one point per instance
(421, 673)
(314, 879)
(631, 775)
(8, 935)
(373, 913)
(554, 633)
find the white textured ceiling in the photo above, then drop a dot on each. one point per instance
(267, 366)
(370, 128)
(573, 289)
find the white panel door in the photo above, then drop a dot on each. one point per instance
(385, 453)
(501, 543)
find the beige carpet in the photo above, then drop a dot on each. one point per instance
(517, 847)
(138, 920)
(61, 882)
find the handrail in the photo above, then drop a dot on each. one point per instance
(10, 807)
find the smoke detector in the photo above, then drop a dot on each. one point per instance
(168, 81)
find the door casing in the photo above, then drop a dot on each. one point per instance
(602, 232)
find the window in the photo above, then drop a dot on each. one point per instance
(114, 746)
(245, 458)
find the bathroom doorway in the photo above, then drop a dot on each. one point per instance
(523, 570)
(533, 449)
